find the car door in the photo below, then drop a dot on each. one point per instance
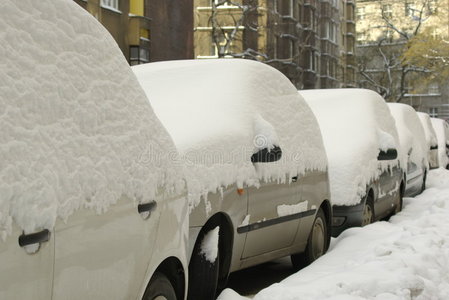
(26, 275)
(273, 219)
(105, 256)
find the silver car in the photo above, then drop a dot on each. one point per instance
(255, 164)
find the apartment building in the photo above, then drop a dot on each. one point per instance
(311, 41)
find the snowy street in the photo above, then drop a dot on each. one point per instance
(405, 258)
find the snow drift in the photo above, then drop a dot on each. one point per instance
(355, 124)
(77, 129)
(220, 112)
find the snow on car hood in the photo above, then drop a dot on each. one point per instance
(77, 129)
(220, 112)
(442, 132)
(411, 134)
(355, 124)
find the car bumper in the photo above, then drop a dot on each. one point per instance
(345, 217)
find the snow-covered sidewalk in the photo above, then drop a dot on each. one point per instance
(405, 258)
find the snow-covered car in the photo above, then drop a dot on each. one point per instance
(413, 147)
(361, 142)
(257, 170)
(442, 132)
(431, 139)
(91, 207)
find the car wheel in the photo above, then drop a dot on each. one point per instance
(316, 243)
(424, 179)
(203, 274)
(160, 288)
(368, 211)
(399, 200)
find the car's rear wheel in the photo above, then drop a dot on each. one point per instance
(203, 274)
(399, 199)
(368, 211)
(316, 243)
(160, 288)
(424, 179)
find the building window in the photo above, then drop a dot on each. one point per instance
(291, 8)
(360, 13)
(433, 112)
(361, 37)
(432, 7)
(434, 89)
(138, 55)
(221, 45)
(387, 10)
(409, 9)
(110, 4)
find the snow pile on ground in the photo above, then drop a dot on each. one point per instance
(355, 124)
(411, 135)
(76, 128)
(406, 258)
(442, 132)
(220, 112)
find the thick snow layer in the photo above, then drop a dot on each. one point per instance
(209, 245)
(355, 124)
(286, 210)
(442, 132)
(411, 135)
(406, 258)
(76, 128)
(431, 137)
(219, 112)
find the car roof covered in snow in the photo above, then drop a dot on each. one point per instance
(429, 131)
(355, 124)
(411, 134)
(76, 126)
(220, 112)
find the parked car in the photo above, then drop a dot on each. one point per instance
(413, 147)
(361, 142)
(90, 205)
(431, 139)
(442, 132)
(254, 153)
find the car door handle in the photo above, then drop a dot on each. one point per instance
(145, 209)
(34, 238)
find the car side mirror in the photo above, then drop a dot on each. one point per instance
(390, 154)
(434, 147)
(265, 155)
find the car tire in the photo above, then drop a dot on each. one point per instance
(159, 288)
(316, 243)
(424, 179)
(368, 211)
(203, 275)
(400, 199)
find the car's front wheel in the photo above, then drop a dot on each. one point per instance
(160, 288)
(316, 243)
(368, 211)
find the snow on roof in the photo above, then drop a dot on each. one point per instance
(411, 134)
(431, 137)
(442, 132)
(220, 112)
(77, 129)
(355, 124)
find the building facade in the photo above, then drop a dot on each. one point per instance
(311, 41)
(384, 30)
(147, 30)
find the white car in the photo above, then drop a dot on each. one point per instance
(431, 139)
(255, 163)
(442, 131)
(414, 147)
(361, 142)
(91, 205)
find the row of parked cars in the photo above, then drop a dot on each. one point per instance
(158, 182)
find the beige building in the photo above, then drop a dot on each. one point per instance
(391, 24)
(311, 41)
